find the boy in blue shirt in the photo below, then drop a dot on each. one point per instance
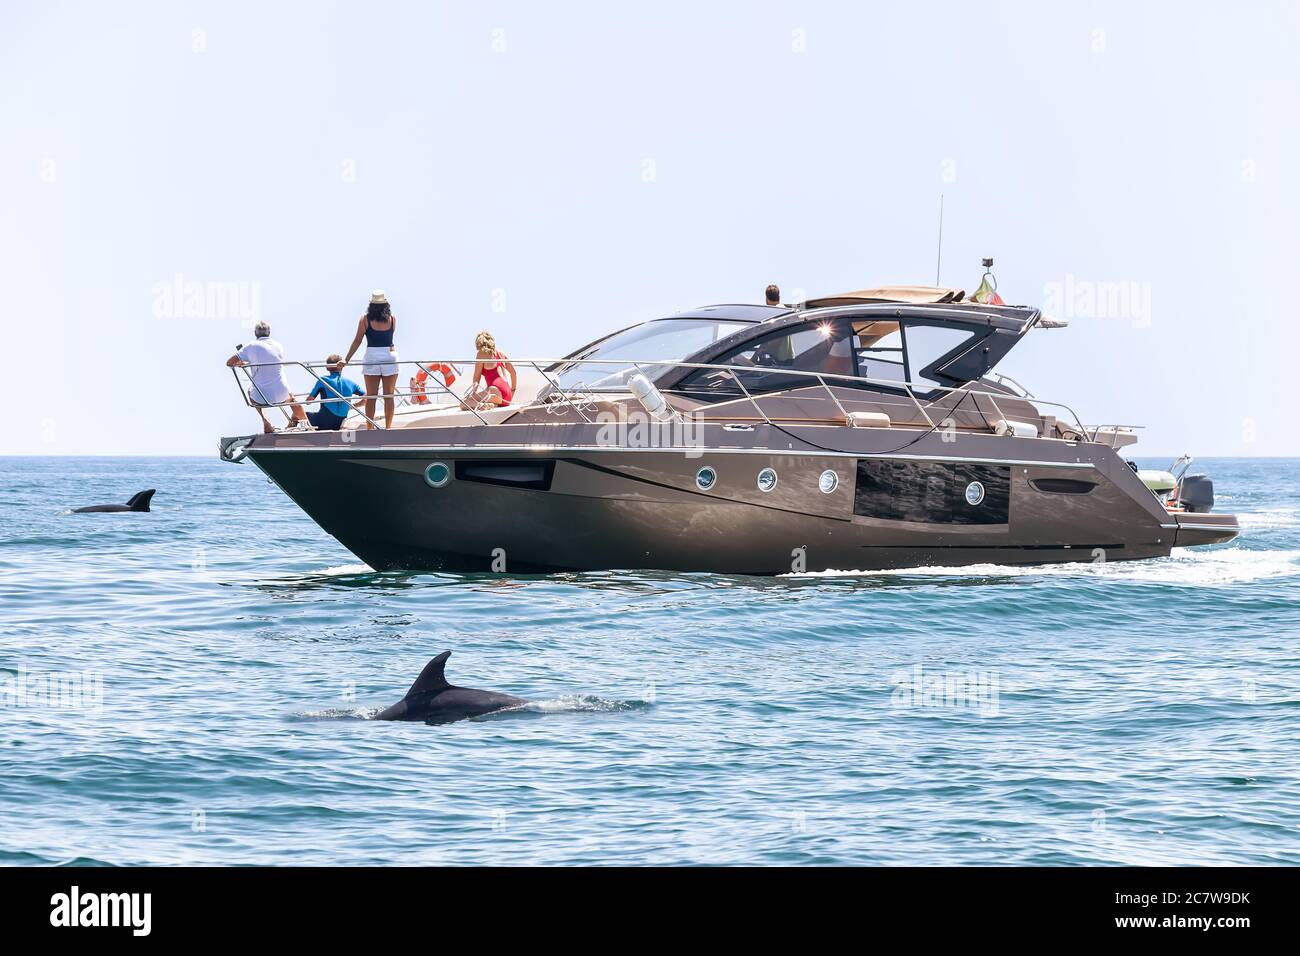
(332, 385)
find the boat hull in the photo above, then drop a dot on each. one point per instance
(525, 507)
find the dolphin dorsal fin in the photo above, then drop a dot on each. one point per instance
(140, 501)
(431, 679)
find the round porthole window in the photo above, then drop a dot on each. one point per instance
(766, 479)
(974, 493)
(438, 474)
(828, 481)
(705, 478)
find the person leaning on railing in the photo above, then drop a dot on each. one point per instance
(380, 361)
(264, 357)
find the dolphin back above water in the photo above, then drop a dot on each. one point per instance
(434, 701)
(138, 502)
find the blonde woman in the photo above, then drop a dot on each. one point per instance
(490, 388)
(379, 364)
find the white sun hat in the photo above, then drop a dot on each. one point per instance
(378, 298)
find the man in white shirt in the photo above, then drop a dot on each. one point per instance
(265, 356)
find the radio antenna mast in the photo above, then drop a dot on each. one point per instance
(938, 262)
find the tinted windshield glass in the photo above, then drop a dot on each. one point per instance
(926, 344)
(882, 360)
(664, 340)
(763, 366)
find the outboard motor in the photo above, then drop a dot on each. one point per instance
(1196, 493)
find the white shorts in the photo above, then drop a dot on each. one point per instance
(379, 360)
(269, 393)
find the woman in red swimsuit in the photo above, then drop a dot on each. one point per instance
(495, 390)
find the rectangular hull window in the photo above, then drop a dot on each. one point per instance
(534, 475)
(933, 492)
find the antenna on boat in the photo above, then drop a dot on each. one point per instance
(939, 258)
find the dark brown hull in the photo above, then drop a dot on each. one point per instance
(591, 506)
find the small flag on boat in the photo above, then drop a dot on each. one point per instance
(987, 293)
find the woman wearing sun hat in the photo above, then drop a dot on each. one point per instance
(379, 364)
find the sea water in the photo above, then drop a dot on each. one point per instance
(193, 686)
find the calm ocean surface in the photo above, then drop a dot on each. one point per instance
(227, 652)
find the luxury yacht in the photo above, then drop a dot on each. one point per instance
(860, 431)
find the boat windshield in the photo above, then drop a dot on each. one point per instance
(663, 340)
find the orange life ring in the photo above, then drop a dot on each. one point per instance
(421, 377)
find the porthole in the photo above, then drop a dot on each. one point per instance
(974, 493)
(828, 481)
(437, 474)
(766, 479)
(705, 478)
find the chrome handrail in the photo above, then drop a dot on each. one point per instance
(1095, 433)
(305, 366)
(1003, 379)
(541, 365)
(446, 388)
(555, 385)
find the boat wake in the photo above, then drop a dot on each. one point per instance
(337, 575)
(344, 570)
(1272, 518)
(1192, 568)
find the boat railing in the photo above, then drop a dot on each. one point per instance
(1111, 434)
(1011, 383)
(580, 397)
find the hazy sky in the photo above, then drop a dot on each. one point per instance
(552, 171)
